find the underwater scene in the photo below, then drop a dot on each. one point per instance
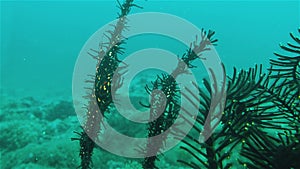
(150, 84)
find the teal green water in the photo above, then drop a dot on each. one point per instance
(41, 40)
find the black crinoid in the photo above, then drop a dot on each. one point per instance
(260, 124)
(165, 99)
(100, 95)
(283, 90)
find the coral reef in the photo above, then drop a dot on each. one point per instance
(30, 140)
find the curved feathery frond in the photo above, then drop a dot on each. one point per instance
(281, 112)
(287, 65)
(247, 115)
(273, 154)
